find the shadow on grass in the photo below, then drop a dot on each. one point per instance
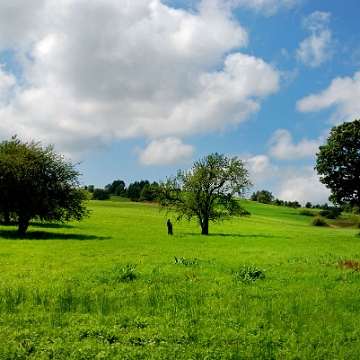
(42, 225)
(237, 235)
(43, 235)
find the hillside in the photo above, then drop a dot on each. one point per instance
(268, 286)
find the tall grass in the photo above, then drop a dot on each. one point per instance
(116, 286)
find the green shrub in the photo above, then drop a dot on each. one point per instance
(319, 222)
(331, 213)
(306, 213)
(100, 194)
(328, 214)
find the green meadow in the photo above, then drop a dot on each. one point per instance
(116, 286)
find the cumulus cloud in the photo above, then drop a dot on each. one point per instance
(303, 185)
(6, 82)
(343, 95)
(318, 47)
(287, 183)
(94, 71)
(269, 7)
(166, 151)
(261, 170)
(282, 147)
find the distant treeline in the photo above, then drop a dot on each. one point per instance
(266, 197)
(137, 191)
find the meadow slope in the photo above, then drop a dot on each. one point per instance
(116, 286)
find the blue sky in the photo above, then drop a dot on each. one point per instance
(137, 90)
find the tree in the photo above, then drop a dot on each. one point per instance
(207, 190)
(117, 186)
(100, 194)
(133, 192)
(37, 183)
(338, 163)
(148, 192)
(263, 196)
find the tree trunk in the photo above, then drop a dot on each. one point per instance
(7, 218)
(205, 227)
(23, 225)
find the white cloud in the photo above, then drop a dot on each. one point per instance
(302, 185)
(318, 47)
(269, 7)
(6, 82)
(166, 151)
(19, 22)
(95, 70)
(287, 183)
(260, 169)
(282, 147)
(343, 95)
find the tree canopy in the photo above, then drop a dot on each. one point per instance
(116, 188)
(37, 183)
(338, 163)
(100, 194)
(207, 190)
(263, 196)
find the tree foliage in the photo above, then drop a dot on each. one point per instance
(37, 183)
(263, 196)
(207, 190)
(133, 191)
(100, 194)
(117, 187)
(338, 163)
(149, 192)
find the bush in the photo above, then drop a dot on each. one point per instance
(306, 213)
(327, 214)
(319, 222)
(100, 194)
(331, 213)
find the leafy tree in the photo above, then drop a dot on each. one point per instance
(37, 183)
(100, 194)
(263, 196)
(278, 202)
(338, 163)
(149, 192)
(308, 205)
(133, 192)
(120, 190)
(207, 190)
(116, 186)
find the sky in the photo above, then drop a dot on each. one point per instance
(137, 89)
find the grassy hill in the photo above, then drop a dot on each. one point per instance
(116, 286)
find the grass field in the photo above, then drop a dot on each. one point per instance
(116, 286)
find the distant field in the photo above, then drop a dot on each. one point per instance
(116, 286)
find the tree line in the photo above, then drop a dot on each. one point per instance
(266, 197)
(141, 190)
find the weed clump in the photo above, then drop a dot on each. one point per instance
(348, 264)
(116, 275)
(247, 274)
(319, 222)
(186, 262)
